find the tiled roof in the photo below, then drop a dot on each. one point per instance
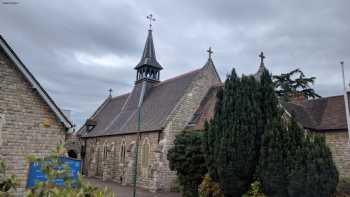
(118, 115)
(322, 114)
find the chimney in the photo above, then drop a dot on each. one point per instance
(298, 98)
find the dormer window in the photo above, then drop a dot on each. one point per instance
(90, 125)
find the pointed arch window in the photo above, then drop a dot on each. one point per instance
(105, 152)
(122, 152)
(145, 153)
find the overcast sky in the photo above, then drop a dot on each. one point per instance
(78, 49)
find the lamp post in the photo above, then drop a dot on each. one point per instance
(137, 148)
(346, 101)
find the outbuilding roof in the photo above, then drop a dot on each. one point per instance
(321, 114)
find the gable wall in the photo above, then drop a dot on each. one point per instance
(29, 126)
(178, 120)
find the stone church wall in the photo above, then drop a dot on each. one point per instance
(103, 158)
(338, 143)
(178, 120)
(28, 125)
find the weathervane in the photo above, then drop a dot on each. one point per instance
(210, 52)
(150, 18)
(262, 57)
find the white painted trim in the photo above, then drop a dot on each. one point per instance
(34, 83)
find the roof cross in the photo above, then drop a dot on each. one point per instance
(262, 57)
(110, 91)
(150, 18)
(210, 52)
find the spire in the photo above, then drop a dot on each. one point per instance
(149, 54)
(148, 68)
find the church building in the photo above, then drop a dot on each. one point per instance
(153, 113)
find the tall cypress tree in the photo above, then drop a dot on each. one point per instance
(273, 164)
(232, 133)
(321, 173)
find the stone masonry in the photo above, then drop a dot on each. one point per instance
(337, 141)
(27, 124)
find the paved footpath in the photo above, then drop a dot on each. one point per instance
(127, 191)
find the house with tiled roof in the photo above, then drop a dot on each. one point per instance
(30, 121)
(150, 115)
(326, 116)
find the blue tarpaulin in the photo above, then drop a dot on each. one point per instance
(35, 173)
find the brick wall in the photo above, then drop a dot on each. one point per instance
(29, 126)
(338, 143)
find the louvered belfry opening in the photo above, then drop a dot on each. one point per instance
(148, 68)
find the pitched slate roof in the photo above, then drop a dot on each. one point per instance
(320, 114)
(36, 85)
(206, 109)
(118, 115)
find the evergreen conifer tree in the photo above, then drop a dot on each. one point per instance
(187, 159)
(321, 174)
(233, 134)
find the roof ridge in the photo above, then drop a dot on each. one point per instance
(176, 77)
(116, 97)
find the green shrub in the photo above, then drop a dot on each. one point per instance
(186, 158)
(70, 189)
(6, 183)
(255, 190)
(209, 188)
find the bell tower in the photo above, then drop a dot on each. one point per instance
(148, 69)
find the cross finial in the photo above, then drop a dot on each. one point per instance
(210, 52)
(110, 91)
(262, 57)
(150, 18)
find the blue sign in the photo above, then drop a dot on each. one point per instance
(35, 173)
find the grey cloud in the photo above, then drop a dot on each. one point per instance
(48, 35)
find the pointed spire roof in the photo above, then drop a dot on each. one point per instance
(149, 54)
